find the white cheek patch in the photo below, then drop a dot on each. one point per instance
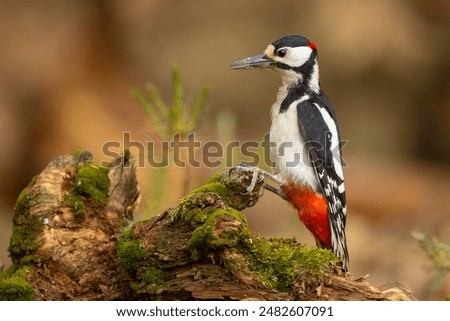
(295, 57)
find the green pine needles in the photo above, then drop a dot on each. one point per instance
(439, 255)
(168, 120)
(175, 118)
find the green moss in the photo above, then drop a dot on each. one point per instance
(216, 225)
(92, 180)
(26, 199)
(29, 260)
(131, 252)
(191, 206)
(26, 227)
(14, 285)
(206, 236)
(278, 262)
(274, 262)
(149, 277)
(150, 280)
(234, 261)
(23, 239)
(204, 209)
(191, 211)
(135, 286)
(74, 201)
(197, 199)
(214, 185)
(153, 275)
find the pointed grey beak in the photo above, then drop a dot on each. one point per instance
(258, 61)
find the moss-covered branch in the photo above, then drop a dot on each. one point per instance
(70, 243)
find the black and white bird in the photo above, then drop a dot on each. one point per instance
(305, 142)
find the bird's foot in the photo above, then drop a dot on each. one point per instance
(256, 177)
(278, 191)
(256, 171)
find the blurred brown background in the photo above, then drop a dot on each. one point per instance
(67, 68)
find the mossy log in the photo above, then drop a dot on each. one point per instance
(71, 242)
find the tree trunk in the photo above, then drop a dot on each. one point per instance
(70, 242)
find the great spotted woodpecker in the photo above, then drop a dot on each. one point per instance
(305, 142)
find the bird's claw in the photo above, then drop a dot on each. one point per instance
(256, 176)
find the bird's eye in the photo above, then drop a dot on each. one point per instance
(281, 52)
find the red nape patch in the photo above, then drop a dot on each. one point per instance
(312, 211)
(312, 45)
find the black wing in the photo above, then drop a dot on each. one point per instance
(318, 138)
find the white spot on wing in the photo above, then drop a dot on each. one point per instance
(334, 146)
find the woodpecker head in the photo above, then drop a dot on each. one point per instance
(293, 57)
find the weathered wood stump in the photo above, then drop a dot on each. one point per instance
(70, 242)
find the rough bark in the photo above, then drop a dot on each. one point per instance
(69, 233)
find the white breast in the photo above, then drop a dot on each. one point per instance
(288, 150)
